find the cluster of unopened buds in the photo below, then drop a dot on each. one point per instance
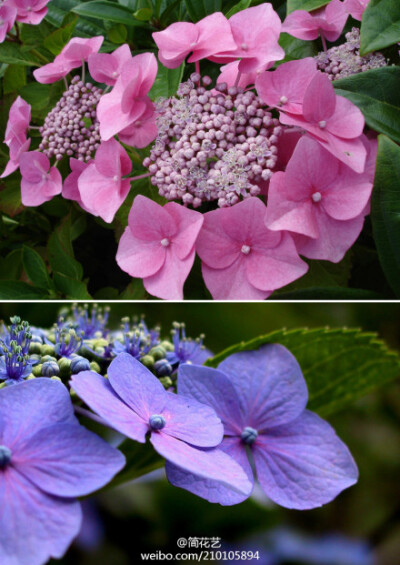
(278, 160)
(80, 340)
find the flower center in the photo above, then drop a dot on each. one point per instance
(245, 249)
(249, 435)
(157, 422)
(322, 124)
(165, 242)
(5, 456)
(317, 197)
(244, 46)
(283, 99)
(71, 128)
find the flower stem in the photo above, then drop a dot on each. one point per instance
(139, 177)
(323, 42)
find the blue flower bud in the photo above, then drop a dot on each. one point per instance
(50, 369)
(157, 422)
(163, 368)
(249, 435)
(5, 456)
(79, 364)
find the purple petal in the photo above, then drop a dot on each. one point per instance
(97, 393)
(269, 383)
(304, 464)
(41, 401)
(68, 460)
(214, 491)
(212, 387)
(137, 386)
(192, 421)
(33, 525)
(211, 464)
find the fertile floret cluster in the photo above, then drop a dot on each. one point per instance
(72, 128)
(212, 144)
(345, 60)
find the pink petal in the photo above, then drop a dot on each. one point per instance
(277, 267)
(149, 221)
(34, 165)
(302, 25)
(139, 258)
(168, 282)
(335, 238)
(106, 67)
(319, 99)
(99, 395)
(52, 72)
(215, 35)
(189, 223)
(112, 160)
(176, 42)
(213, 245)
(290, 80)
(347, 120)
(70, 189)
(231, 283)
(140, 133)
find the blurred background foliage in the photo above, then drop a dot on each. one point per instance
(151, 516)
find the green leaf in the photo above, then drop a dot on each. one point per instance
(380, 26)
(167, 82)
(14, 79)
(199, 9)
(10, 197)
(109, 12)
(11, 266)
(339, 365)
(15, 54)
(18, 290)
(57, 40)
(61, 255)
(134, 291)
(35, 268)
(385, 210)
(144, 14)
(242, 5)
(295, 48)
(307, 5)
(377, 94)
(140, 460)
(72, 288)
(59, 9)
(117, 34)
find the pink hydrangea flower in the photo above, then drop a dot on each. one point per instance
(15, 138)
(242, 258)
(101, 186)
(77, 50)
(334, 121)
(127, 102)
(256, 32)
(158, 246)
(356, 8)
(230, 73)
(320, 198)
(143, 131)
(285, 87)
(40, 182)
(210, 35)
(30, 11)
(106, 67)
(328, 22)
(8, 14)
(70, 189)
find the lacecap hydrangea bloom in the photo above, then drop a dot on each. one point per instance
(217, 148)
(47, 460)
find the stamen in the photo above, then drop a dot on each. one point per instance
(157, 422)
(249, 435)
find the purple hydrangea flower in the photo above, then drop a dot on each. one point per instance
(134, 402)
(15, 362)
(46, 460)
(186, 350)
(261, 397)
